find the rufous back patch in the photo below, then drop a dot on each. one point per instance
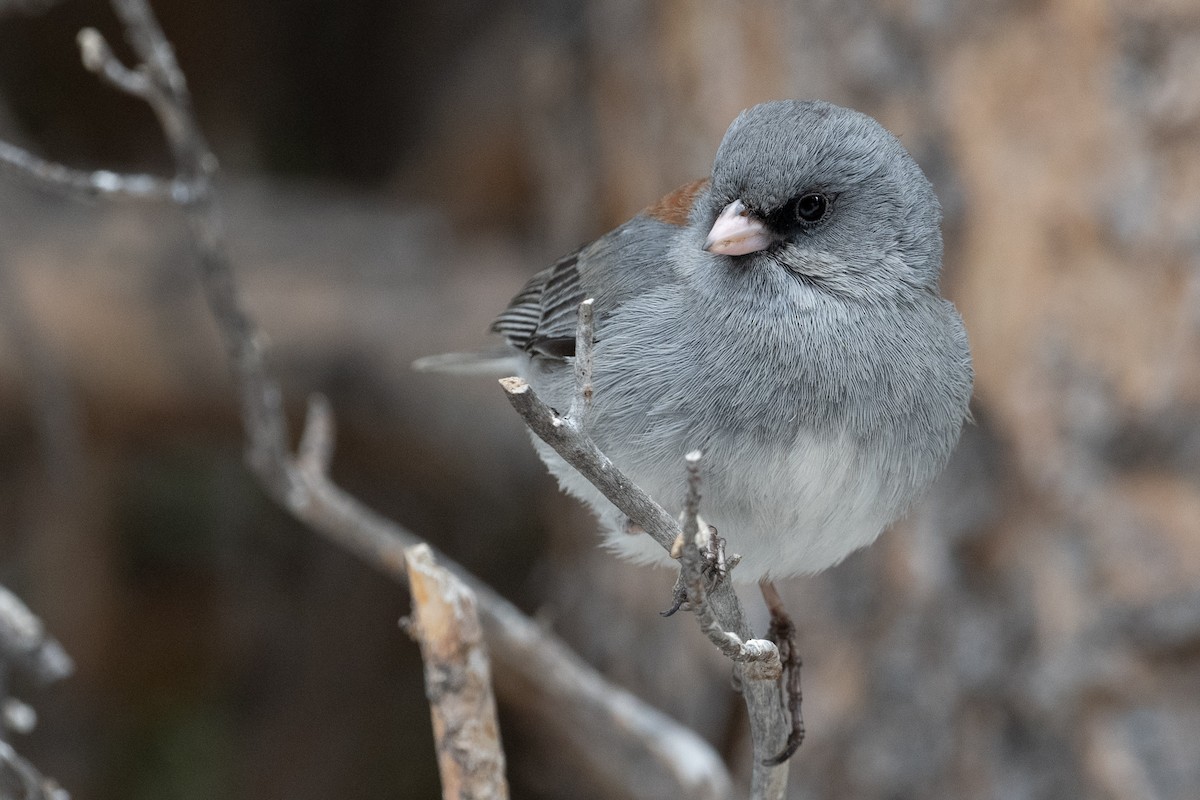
(676, 206)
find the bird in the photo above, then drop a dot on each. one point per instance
(783, 316)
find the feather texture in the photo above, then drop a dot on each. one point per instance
(541, 319)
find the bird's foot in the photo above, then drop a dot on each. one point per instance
(716, 568)
(783, 633)
(679, 600)
(716, 565)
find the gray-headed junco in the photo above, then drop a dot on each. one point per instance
(782, 316)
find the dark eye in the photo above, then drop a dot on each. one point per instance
(812, 207)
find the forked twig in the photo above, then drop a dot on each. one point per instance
(700, 553)
(756, 661)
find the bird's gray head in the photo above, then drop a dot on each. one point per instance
(826, 194)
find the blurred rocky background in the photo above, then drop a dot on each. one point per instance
(392, 173)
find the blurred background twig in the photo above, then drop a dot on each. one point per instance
(25, 648)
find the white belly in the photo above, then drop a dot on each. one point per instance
(785, 511)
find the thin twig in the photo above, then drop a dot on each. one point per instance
(756, 661)
(34, 786)
(98, 57)
(457, 680)
(578, 450)
(691, 503)
(629, 738)
(98, 183)
(760, 656)
(25, 643)
(315, 453)
(585, 342)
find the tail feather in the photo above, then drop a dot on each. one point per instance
(495, 364)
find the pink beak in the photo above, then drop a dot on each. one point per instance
(738, 232)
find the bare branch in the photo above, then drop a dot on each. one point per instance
(585, 340)
(622, 733)
(581, 452)
(170, 99)
(92, 184)
(98, 57)
(33, 785)
(691, 503)
(664, 757)
(756, 662)
(457, 680)
(315, 454)
(701, 552)
(161, 85)
(25, 643)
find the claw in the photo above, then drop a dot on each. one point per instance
(783, 633)
(680, 598)
(716, 565)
